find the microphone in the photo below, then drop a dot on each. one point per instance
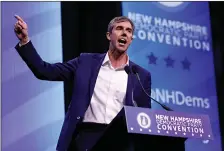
(128, 71)
(134, 70)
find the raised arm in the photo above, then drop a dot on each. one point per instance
(41, 69)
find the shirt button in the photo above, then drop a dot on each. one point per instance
(78, 117)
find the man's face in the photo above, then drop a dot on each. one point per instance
(121, 36)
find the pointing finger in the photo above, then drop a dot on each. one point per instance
(18, 18)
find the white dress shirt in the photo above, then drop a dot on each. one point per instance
(109, 93)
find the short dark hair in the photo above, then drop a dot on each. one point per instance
(118, 20)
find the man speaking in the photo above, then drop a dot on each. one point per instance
(101, 88)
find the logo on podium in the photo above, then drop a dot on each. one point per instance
(143, 120)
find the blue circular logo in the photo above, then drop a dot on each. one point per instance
(172, 6)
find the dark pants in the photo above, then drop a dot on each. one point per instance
(86, 135)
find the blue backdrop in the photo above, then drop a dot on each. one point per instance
(32, 109)
(173, 41)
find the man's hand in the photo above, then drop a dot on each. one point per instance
(21, 30)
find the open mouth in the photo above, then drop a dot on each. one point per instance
(122, 41)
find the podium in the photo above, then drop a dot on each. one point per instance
(142, 129)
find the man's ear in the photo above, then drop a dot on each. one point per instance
(108, 35)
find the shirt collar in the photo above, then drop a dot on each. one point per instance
(107, 60)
